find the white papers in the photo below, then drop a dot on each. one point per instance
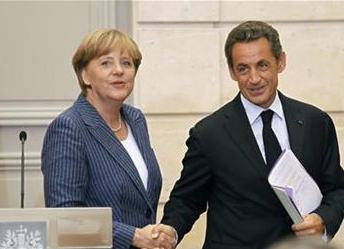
(288, 204)
(295, 188)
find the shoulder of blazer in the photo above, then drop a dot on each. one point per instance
(69, 115)
(231, 108)
(308, 110)
(83, 110)
(132, 113)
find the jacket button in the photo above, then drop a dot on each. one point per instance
(148, 213)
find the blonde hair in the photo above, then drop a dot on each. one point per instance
(99, 43)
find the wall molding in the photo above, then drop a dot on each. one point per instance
(24, 115)
(11, 161)
(28, 116)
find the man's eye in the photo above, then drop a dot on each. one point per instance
(263, 66)
(242, 70)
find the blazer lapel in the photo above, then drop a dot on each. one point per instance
(295, 125)
(100, 130)
(140, 133)
(239, 128)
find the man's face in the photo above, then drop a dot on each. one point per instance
(256, 70)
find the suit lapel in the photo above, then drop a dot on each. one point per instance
(295, 125)
(140, 133)
(239, 129)
(103, 134)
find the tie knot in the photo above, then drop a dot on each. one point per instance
(267, 117)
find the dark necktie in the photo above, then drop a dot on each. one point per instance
(271, 144)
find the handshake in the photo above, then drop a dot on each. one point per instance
(157, 236)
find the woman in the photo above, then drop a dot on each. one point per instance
(97, 153)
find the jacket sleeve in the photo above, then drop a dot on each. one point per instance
(332, 181)
(64, 165)
(189, 197)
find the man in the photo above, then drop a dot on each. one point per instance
(226, 166)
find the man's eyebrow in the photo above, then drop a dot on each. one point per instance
(263, 60)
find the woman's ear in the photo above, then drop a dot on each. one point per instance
(85, 77)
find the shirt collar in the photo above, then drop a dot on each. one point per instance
(253, 111)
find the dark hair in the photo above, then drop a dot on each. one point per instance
(250, 31)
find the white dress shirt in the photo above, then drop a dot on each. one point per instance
(278, 123)
(133, 150)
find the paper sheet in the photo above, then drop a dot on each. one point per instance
(289, 174)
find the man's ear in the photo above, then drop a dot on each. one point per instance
(85, 77)
(232, 73)
(282, 62)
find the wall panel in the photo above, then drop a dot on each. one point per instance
(172, 59)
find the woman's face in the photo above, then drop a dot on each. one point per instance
(110, 77)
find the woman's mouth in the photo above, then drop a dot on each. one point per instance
(117, 83)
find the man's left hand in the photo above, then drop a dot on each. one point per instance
(312, 224)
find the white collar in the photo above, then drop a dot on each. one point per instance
(253, 111)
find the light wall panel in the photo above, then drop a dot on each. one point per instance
(180, 70)
(177, 11)
(282, 11)
(36, 55)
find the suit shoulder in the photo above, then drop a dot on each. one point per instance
(308, 109)
(133, 113)
(70, 113)
(214, 119)
(68, 117)
(131, 109)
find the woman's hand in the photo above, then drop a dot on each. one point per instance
(155, 237)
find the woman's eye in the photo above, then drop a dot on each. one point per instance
(106, 63)
(127, 63)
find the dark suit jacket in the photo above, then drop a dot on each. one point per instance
(224, 172)
(85, 165)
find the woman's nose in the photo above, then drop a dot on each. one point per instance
(117, 68)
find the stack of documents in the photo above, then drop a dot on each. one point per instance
(294, 187)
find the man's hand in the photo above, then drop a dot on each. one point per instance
(155, 237)
(165, 233)
(312, 224)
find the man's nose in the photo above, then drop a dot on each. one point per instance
(254, 76)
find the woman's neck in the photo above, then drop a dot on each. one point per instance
(109, 111)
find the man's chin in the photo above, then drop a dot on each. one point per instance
(259, 101)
